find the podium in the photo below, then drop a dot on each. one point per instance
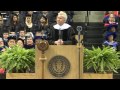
(70, 68)
(61, 62)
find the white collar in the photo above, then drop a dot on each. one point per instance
(64, 26)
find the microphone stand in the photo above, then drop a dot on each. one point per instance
(60, 36)
(80, 62)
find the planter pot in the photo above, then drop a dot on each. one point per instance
(21, 76)
(97, 76)
(3, 76)
(91, 70)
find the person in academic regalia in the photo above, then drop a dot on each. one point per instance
(29, 43)
(19, 14)
(34, 15)
(62, 33)
(29, 25)
(22, 33)
(37, 39)
(43, 28)
(111, 19)
(111, 29)
(20, 42)
(2, 46)
(1, 24)
(14, 23)
(11, 40)
(110, 41)
(5, 36)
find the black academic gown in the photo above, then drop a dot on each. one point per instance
(67, 34)
(29, 46)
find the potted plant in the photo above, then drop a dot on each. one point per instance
(18, 60)
(2, 73)
(103, 60)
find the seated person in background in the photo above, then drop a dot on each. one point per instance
(111, 20)
(37, 39)
(20, 42)
(2, 46)
(14, 23)
(12, 31)
(1, 24)
(43, 28)
(5, 36)
(110, 41)
(11, 40)
(29, 26)
(62, 33)
(112, 28)
(22, 33)
(29, 43)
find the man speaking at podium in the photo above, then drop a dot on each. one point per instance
(62, 33)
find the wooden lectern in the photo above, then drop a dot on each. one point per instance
(70, 52)
(67, 65)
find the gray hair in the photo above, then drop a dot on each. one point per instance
(63, 14)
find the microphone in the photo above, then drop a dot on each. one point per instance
(60, 35)
(79, 28)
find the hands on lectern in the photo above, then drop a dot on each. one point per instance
(59, 42)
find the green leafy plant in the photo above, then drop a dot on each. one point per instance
(18, 59)
(102, 60)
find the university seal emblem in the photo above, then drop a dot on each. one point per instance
(59, 66)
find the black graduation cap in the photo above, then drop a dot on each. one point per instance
(11, 36)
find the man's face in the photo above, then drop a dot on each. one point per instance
(29, 41)
(11, 43)
(22, 33)
(60, 20)
(5, 35)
